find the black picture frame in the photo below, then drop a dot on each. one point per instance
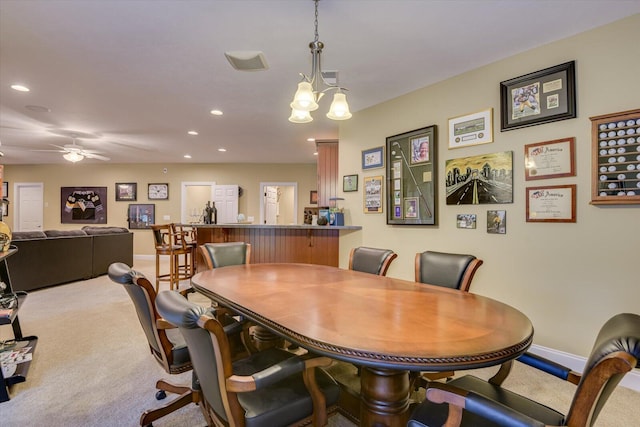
(412, 185)
(126, 191)
(350, 183)
(540, 97)
(141, 216)
(83, 205)
(5, 190)
(313, 197)
(158, 191)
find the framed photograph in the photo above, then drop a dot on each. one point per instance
(141, 216)
(313, 197)
(373, 194)
(5, 209)
(471, 129)
(5, 190)
(466, 220)
(497, 222)
(411, 177)
(126, 191)
(555, 203)
(541, 97)
(478, 180)
(373, 158)
(349, 183)
(83, 205)
(549, 159)
(158, 192)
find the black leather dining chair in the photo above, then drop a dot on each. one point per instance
(371, 260)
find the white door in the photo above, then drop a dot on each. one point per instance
(29, 206)
(226, 198)
(271, 205)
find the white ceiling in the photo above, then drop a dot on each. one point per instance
(131, 77)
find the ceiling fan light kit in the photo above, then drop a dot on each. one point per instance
(73, 156)
(309, 90)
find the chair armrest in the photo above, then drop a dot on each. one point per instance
(550, 367)
(187, 291)
(163, 324)
(266, 377)
(459, 399)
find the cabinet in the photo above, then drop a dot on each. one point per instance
(616, 158)
(21, 346)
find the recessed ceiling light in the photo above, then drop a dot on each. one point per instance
(216, 112)
(192, 132)
(311, 140)
(20, 88)
(187, 156)
(315, 154)
(222, 150)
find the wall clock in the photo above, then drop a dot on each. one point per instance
(158, 191)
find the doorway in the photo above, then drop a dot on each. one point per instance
(29, 206)
(278, 203)
(195, 196)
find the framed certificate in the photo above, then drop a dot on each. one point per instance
(549, 159)
(555, 203)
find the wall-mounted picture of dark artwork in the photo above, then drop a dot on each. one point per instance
(141, 216)
(478, 180)
(83, 205)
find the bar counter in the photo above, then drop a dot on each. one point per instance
(308, 244)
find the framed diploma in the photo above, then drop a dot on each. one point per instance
(555, 203)
(549, 159)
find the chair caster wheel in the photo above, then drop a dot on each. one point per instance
(160, 394)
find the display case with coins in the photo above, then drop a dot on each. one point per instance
(616, 158)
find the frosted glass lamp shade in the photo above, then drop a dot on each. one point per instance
(299, 116)
(304, 99)
(73, 157)
(339, 108)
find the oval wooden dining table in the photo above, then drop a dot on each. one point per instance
(387, 326)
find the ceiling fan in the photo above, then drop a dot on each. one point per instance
(74, 152)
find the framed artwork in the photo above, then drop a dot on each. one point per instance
(373, 158)
(141, 216)
(466, 220)
(550, 159)
(373, 194)
(158, 192)
(5, 190)
(349, 183)
(411, 177)
(554, 203)
(477, 180)
(83, 205)
(540, 97)
(471, 129)
(497, 222)
(126, 191)
(313, 197)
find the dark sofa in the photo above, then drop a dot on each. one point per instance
(54, 257)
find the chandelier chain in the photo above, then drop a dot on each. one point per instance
(316, 22)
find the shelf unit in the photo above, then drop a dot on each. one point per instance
(616, 158)
(11, 318)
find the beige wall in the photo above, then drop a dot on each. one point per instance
(568, 278)
(247, 176)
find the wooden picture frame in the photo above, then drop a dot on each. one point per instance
(350, 183)
(471, 129)
(141, 216)
(373, 158)
(540, 97)
(552, 203)
(412, 177)
(313, 197)
(373, 190)
(158, 191)
(126, 191)
(550, 159)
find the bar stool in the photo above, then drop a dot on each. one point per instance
(185, 236)
(167, 244)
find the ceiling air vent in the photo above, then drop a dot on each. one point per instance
(247, 60)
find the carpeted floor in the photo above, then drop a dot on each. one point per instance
(92, 366)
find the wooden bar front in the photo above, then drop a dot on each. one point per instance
(305, 244)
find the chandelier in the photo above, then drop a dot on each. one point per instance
(310, 89)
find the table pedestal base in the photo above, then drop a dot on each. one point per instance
(385, 397)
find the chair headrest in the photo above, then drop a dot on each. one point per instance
(620, 333)
(178, 311)
(121, 273)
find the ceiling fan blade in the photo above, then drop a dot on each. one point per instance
(94, 156)
(52, 151)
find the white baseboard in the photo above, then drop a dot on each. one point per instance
(145, 257)
(576, 363)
